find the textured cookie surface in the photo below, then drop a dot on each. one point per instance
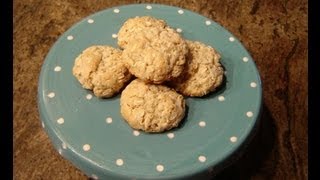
(87, 63)
(153, 51)
(151, 108)
(203, 73)
(101, 69)
(134, 29)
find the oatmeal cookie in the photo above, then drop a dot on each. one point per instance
(87, 63)
(151, 108)
(203, 73)
(101, 69)
(153, 51)
(135, 28)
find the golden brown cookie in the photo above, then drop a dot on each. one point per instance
(101, 69)
(203, 73)
(151, 108)
(134, 29)
(87, 63)
(153, 52)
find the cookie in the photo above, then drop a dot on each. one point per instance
(134, 29)
(101, 69)
(87, 63)
(203, 73)
(153, 51)
(151, 108)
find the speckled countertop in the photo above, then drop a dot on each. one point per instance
(274, 32)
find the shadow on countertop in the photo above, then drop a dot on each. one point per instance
(259, 149)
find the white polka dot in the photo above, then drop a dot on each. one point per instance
(179, 30)
(249, 114)
(245, 59)
(60, 121)
(202, 124)
(51, 95)
(253, 84)
(90, 21)
(114, 36)
(208, 23)
(109, 120)
(231, 39)
(119, 162)
(93, 176)
(60, 151)
(57, 68)
(233, 139)
(170, 135)
(70, 38)
(180, 11)
(136, 133)
(160, 168)
(64, 145)
(202, 158)
(89, 96)
(42, 124)
(221, 98)
(149, 7)
(86, 147)
(225, 73)
(116, 10)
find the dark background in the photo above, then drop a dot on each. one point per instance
(274, 32)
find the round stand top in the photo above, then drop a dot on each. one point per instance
(91, 133)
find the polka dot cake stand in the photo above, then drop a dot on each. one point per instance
(91, 134)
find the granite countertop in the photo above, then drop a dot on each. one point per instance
(274, 32)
